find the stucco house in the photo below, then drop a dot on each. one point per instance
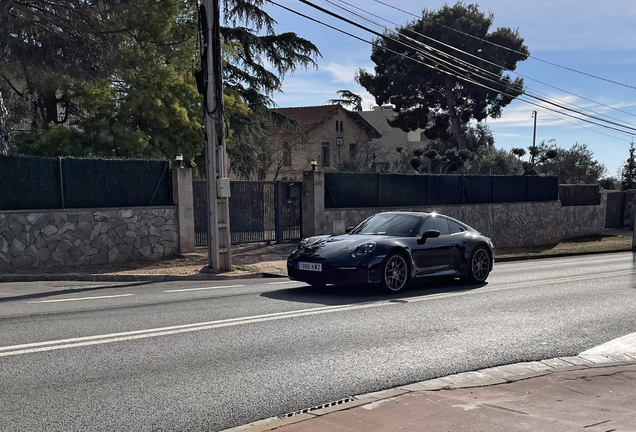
(393, 137)
(335, 138)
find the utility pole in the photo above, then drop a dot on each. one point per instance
(534, 137)
(218, 185)
(634, 213)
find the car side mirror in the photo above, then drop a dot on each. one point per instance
(428, 234)
(348, 231)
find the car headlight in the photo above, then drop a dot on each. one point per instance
(303, 243)
(364, 249)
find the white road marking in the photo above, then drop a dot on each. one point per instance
(165, 331)
(186, 328)
(521, 285)
(278, 283)
(569, 260)
(203, 288)
(83, 298)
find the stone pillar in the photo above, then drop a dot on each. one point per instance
(182, 198)
(313, 203)
(630, 208)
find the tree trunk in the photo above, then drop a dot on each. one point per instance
(49, 107)
(452, 113)
(4, 129)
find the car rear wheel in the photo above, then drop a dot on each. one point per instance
(394, 273)
(479, 265)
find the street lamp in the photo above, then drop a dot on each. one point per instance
(314, 164)
(179, 158)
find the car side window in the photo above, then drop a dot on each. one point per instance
(455, 228)
(435, 223)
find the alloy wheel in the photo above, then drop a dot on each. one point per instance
(480, 265)
(395, 271)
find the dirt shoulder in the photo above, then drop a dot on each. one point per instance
(247, 258)
(588, 244)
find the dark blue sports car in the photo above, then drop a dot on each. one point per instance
(391, 249)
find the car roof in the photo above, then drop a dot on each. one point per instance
(424, 214)
(412, 213)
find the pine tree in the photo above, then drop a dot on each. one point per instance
(428, 93)
(629, 170)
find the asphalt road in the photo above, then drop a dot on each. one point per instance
(209, 356)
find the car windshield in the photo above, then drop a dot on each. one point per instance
(399, 225)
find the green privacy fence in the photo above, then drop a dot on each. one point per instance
(580, 195)
(354, 190)
(28, 182)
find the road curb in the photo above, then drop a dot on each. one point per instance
(559, 255)
(505, 374)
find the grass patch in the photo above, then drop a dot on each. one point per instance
(244, 268)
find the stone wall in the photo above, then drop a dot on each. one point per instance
(507, 224)
(86, 236)
(579, 221)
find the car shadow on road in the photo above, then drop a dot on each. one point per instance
(352, 294)
(69, 290)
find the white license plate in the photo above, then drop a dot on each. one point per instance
(309, 266)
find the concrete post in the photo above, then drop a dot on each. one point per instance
(313, 203)
(182, 198)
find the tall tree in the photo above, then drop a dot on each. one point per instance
(127, 70)
(575, 165)
(46, 44)
(347, 99)
(539, 156)
(444, 157)
(4, 129)
(629, 170)
(439, 89)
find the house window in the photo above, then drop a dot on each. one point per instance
(337, 126)
(325, 154)
(287, 154)
(353, 147)
(341, 129)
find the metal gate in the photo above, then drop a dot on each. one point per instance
(259, 211)
(615, 209)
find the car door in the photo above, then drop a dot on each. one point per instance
(456, 239)
(434, 255)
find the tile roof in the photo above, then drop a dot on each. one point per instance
(310, 117)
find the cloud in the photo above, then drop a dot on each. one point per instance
(510, 135)
(341, 73)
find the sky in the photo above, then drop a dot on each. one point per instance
(594, 37)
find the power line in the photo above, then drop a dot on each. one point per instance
(433, 67)
(512, 50)
(308, 3)
(470, 54)
(550, 113)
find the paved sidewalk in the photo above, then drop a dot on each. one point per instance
(594, 393)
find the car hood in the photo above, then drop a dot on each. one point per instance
(331, 246)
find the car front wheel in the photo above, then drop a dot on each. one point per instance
(394, 273)
(479, 265)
